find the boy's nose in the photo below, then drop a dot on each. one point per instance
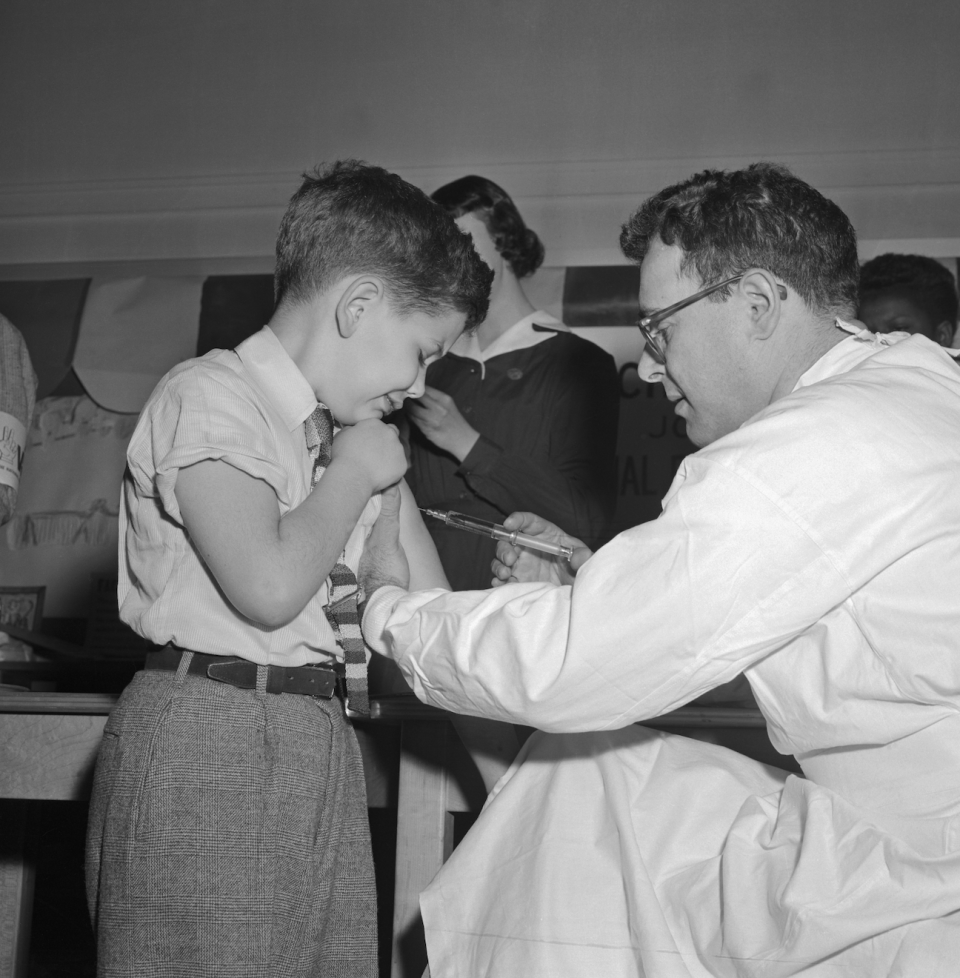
(419, 385)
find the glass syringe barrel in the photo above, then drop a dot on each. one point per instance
(473, 524)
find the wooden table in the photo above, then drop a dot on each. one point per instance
(49, 741)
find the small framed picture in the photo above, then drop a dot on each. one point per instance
(21, 607)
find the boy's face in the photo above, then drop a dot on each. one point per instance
(385, 361)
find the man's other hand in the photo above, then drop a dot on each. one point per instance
(383, 561)
(515, 564)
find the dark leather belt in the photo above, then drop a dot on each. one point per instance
(318, 680)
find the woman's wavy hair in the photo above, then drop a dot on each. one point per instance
(520, 247)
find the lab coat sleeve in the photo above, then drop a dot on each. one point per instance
(664, 612)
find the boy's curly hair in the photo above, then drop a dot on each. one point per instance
(350, 217)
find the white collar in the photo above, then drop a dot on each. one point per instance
(846, 354)
(275, 373)
(520, 336)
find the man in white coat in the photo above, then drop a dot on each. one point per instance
(812, 544)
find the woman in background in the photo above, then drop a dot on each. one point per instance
(521, 415)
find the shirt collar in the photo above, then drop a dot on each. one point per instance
(527, 332)
(275, 373)
(851, 350)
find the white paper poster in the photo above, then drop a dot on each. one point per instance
(65, 525)
(13, 441)
(132, 332)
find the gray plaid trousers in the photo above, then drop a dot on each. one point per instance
(228, 836)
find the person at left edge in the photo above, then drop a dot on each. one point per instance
(228, 826)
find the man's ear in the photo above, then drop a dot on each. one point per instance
(763, 296)
(359, 296)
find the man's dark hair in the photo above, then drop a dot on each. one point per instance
(928, 283)
(760, 217)
(352, 218)
(520, 247)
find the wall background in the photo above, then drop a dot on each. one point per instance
(175, 132)
(151, 141)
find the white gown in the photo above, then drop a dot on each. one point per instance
(817, 550)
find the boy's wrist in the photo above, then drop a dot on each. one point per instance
(352, 474)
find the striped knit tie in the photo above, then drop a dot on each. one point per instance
(342, 588)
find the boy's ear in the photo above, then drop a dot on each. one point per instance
(359, 296)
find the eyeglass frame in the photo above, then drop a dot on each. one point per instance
(651, 335)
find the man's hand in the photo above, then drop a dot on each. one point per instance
(517, 564)
(383, 561)
(441, 422)
(374, 450)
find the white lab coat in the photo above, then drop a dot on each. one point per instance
(817, 550)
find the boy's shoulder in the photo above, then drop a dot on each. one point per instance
(217, 373)
(206, 406)
(205, 397)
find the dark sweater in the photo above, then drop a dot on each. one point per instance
(547, 417)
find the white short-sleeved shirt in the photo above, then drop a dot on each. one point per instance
(245, 407)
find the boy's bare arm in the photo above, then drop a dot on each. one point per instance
(491, 744)
(426, 571)
(270, 566)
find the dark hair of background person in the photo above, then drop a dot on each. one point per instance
(924, 280)
(350, 218)
(519, 246)
(759, 217)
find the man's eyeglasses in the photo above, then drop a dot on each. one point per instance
(650, 326)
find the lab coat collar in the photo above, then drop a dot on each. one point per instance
(275, 373)
(859, 345)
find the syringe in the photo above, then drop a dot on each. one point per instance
(499, 532)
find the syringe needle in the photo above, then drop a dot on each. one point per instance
(499, 532)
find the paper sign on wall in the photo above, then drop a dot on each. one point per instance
(13, 441)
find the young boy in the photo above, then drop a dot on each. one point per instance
(228, 827)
